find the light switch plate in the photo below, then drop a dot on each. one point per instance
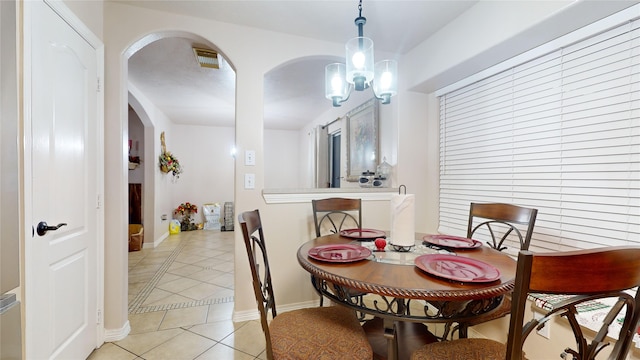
(250, 157)
(249, 181)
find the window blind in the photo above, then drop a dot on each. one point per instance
(560, 133)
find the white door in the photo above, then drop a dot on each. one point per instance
(60, 187)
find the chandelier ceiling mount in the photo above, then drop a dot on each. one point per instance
(360, 70)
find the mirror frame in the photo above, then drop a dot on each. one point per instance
(362, 139)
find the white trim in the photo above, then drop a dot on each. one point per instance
(111, 335)
(148, 245)
(306, 195)
(72, 19)
(607, 23)
(254, 314)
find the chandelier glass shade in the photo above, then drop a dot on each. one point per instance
(360, 71)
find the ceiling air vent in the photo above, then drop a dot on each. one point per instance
(207, 58)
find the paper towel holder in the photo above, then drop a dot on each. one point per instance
(400, 189)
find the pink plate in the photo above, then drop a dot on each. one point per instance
(458, 268)
(450, 241)
(363, 233)
(339, 253)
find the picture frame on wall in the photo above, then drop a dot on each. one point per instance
(362, 140)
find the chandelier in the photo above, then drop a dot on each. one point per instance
(359, 72)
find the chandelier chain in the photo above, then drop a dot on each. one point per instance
(360, 8)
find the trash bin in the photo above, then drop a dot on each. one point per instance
(136, 237)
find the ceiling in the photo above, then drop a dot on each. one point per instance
(166, 72)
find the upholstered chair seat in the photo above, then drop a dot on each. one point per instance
(319, 333)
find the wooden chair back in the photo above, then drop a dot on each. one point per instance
(260, 272)
(586, 275)
(504, 217)
(335, 214)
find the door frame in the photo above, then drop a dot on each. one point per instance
(26, 196)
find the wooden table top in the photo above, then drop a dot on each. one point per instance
(408, 281)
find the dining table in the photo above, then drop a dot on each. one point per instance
(408, 287)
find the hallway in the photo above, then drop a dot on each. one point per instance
(181, 303)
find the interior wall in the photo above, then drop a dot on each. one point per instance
(91, 13)
(204, 154)
(156, 188)
(281, 158)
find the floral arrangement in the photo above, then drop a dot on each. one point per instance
(169, 163)
(185, 210)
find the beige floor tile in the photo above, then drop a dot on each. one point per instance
(156, 295)
(249, 339)
(190, 258)
(168, 277)
(221, 293)
(217, 330)
(186, 346)
(141, 323)
(219, 312)
(178, 285)
(145, 269)
(225, 266)
(152, 260)
(221, 351)
(135, 288)
(210, 253)
(171, 299)
(141, 343)
(109, 351)
(182, 269)
(145, 277)
(224, 280)
(184, 317)
(202, 291)
(205, 275)
(227, 256)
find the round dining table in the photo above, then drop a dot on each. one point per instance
(393, 278)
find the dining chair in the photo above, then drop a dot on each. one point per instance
(585, 275)
(331, 332)
(333, 215)
(497, 222)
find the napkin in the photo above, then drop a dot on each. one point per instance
(403, 220)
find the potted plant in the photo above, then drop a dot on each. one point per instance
(185, 210)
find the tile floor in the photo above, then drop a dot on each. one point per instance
(181, 302)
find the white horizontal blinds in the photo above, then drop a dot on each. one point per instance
(560, 133)
(601, 143)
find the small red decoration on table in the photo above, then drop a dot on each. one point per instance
(380, 243)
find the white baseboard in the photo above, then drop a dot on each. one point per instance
(111, 335)
(248, 315)
(156, 242)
